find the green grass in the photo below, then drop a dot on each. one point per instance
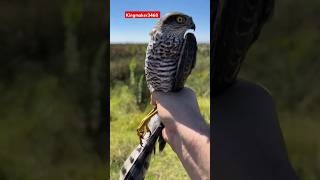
(126, 115)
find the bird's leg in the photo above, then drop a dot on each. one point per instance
(143, 126)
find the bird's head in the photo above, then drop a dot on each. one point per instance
(175, 23)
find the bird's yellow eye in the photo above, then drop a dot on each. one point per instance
(181, 19)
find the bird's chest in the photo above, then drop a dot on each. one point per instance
(164, 47)
(162, 57)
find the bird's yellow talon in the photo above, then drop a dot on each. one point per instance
(143, 126)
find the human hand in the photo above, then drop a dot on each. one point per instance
(178, 108)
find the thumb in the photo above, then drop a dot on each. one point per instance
(164, 134)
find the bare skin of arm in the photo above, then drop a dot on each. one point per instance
(185, 130)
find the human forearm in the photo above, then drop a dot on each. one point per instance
(192, 145)
(185, 130)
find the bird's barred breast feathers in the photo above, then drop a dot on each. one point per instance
(162, 57)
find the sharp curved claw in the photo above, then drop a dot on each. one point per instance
(143, 126)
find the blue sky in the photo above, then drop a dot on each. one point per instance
(124, 30)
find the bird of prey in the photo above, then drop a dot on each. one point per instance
(170, 58)
(236, 26)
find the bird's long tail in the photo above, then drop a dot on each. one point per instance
(136, 165)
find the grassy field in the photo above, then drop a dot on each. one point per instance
(127, 62)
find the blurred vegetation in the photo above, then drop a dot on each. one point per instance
(53, 92)
(129, 103)
(286, 60)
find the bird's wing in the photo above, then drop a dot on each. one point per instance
(186, 62)
(136, 165)
(237, 25)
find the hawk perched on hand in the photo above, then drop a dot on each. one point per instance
(170, 58)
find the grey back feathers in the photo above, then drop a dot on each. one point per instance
(186, 62)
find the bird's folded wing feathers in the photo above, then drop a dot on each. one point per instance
(187, 60)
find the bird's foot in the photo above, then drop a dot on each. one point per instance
(143, 127)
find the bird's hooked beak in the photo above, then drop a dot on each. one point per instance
(193, 26)
(191, 30)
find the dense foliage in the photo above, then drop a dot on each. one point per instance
(52, 115)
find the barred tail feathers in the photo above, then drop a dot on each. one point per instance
(137, 164)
